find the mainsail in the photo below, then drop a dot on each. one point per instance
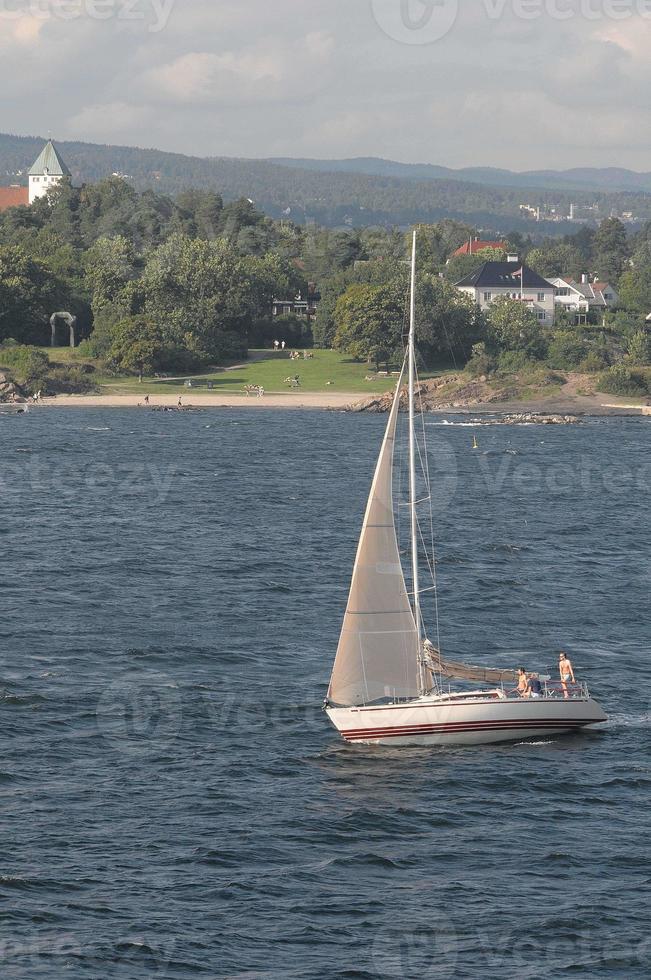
(377, 656)
(458, 671)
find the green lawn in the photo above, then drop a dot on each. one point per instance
(314, 374)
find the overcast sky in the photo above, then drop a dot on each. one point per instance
(514, 83)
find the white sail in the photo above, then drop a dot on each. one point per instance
(377, 656)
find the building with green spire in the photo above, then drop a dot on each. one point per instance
(46, 171)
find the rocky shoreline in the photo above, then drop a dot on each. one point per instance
(528, 418)
(569, 399)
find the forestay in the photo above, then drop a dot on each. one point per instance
(377, 656)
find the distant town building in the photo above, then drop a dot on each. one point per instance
(475, 245)
(582, 297)
(46, 171)
(513, 280)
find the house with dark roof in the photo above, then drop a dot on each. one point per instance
(514, 280)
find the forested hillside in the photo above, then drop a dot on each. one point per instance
(333, 199)
(602, 179)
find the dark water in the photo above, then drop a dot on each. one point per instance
(173, 802)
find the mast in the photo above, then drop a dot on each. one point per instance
(411, 357)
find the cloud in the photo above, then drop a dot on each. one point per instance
(269, 71)
(325, 79)
(23, 30)
(106, 121)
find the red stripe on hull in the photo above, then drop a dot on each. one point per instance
(360, 734)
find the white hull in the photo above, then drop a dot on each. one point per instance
(481, 719)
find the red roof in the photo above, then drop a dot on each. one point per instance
(474, 246)
(13, 197)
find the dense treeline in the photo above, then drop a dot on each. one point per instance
(332, 199)
(159, 283)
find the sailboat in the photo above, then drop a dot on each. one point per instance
(390, 685)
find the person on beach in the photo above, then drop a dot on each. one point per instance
(146, 399)
(566, 672)
(179, 404)
(282, 346)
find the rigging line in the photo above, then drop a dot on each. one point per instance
(450, 348)
(428, 483)
(399, 442)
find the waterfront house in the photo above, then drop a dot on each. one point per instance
(516, 281)
(582, 298)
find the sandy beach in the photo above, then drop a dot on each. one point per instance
(285, 399)
(564, 403)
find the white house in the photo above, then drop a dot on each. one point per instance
(514, 280)
(46, 171)
(582, 297)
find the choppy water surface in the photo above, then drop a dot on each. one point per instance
(173, 801)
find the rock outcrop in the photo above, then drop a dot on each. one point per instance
(9, 390)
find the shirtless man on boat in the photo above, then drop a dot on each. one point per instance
(521, 689)
(566, 671)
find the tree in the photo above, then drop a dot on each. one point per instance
(567, 350)
(512, 327)
(29, 292)
(448, 322)
(369, 322)
(635, 283)
(138, 345)
(110, 268)
(205, 296)
(639, 349)
(27, 364)
(556, 259)
(611, 250)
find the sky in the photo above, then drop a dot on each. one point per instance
(520, 84)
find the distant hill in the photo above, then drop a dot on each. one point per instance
(586, 178)
(353, 193)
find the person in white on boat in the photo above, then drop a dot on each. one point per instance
(566, 671)
(534, 687)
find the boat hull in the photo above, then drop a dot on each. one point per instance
(480, 721)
